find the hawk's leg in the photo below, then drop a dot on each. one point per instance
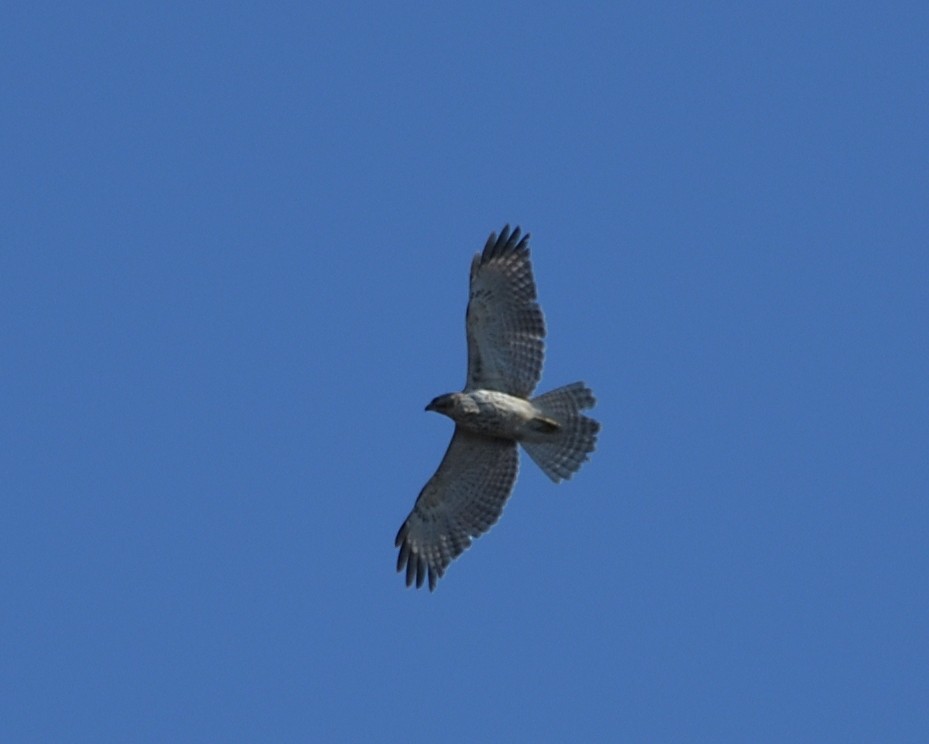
(544, 425)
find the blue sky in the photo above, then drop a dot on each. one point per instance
(234, 252)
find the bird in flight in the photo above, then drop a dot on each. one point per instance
(493, 413)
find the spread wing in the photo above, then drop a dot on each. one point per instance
(504, 323)
(460, 502)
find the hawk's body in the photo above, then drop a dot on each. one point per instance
(466, 495)
(494, 414)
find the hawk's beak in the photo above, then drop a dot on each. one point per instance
(431, 406)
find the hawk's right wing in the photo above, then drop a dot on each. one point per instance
(461, 501)
(504, 323)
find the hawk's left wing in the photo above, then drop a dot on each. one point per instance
(505, 327)
(461, 501)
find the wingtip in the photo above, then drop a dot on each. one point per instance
(416, 569)
(507, 242)
(401, 534)
(514, 237)
(489, 245)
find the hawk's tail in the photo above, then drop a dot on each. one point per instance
(562, 449)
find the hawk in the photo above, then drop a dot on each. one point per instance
(493, 413)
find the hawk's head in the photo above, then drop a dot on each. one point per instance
(442, 404)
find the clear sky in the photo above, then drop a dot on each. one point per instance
(234, 251)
